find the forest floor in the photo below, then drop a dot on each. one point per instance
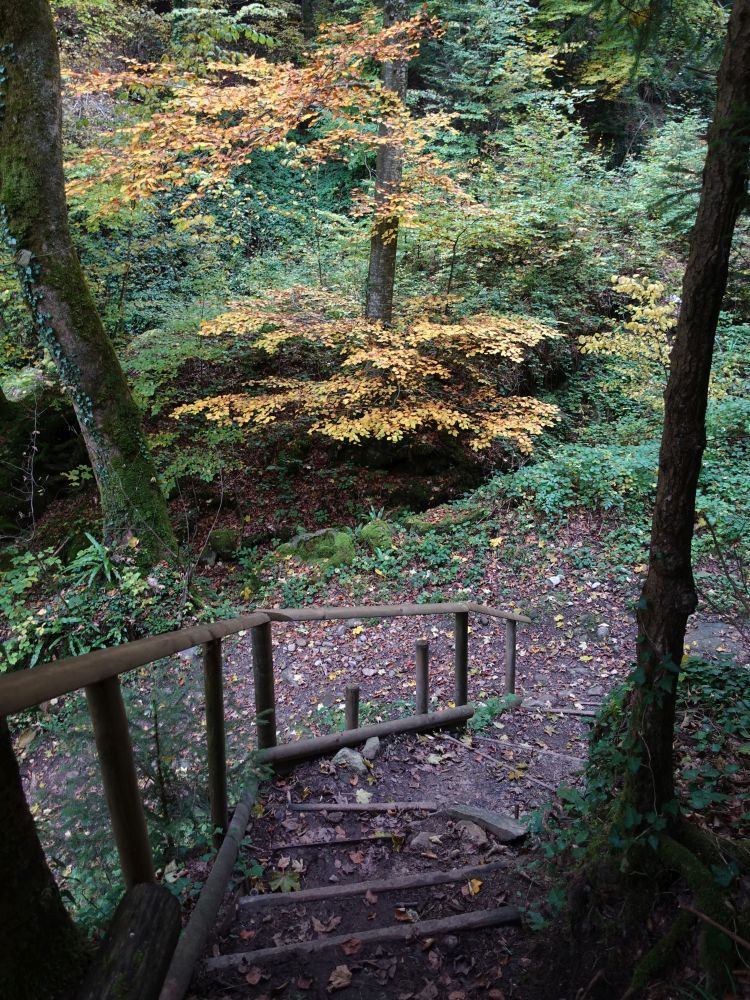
(577, 648)
(435, 768)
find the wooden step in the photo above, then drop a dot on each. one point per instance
(322, 893)
(475, 920)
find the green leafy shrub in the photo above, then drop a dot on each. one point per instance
(54, 608)
(619, 478)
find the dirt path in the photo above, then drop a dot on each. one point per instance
(488, 963)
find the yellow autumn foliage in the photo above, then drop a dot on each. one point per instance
(644, 337)
(424, 375)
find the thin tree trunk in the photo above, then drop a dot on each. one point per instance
(669, 594)
(381, 276)
(34, 221)
(308, 18)
(42, 953)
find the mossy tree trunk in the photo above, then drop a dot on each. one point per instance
(42, 952)
(381, 277)
(34, 220)
(669, 594)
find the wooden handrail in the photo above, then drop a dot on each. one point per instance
(28, 688)
(98, 673)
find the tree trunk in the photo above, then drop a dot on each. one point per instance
(308, 18)
(42, 953)
(34, 221)
(381, 276)
(669, 595)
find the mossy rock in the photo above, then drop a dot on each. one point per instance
(224, 542)
(327, 547)
(449, 520)
(377, 534)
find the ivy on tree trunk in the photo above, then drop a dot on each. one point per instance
(669, 594)
(381, 276)
(34, 222)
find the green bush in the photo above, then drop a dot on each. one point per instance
(617, 478)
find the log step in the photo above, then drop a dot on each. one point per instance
(322, 893)
(475, 920)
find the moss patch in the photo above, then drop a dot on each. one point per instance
(328, 548)
(377, 534)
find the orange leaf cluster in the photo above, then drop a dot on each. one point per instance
(195, 131)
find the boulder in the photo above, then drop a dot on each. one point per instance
(350, 760)
(371, 748)
(472, 833)
(377, 534)
(328, 547)
(224, 543)
(420, 843)
(503, 827)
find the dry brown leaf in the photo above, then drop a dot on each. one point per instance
(352, 946)
(327, 927)
(404, 916)
(340, 978)
(371, 897)
(356, 857)
(247, 935)
(253, 975)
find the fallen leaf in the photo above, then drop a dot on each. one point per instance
(303, 983)
(472, 887)
(351, 947)
(371, 897)
(327, 927)
(340, 978)
(253, 975)
(405, 916)
(356, 857)
(247, 935)
(362, 796)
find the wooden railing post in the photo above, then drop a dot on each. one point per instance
(352, 706)
(461, 660)
(110, 722)
(213, 685)
(423, 677)
(510, 656)
(265, 698)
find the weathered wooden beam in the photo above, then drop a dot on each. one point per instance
(108, 717)
(352, 706)
(26, 688)
(319, 745)
(474, 920)
(326, 892)
(215, 738)
(422, 694)
(365, 807)
(461, 658)
(192, 943)
(133, 960)
(385, 611)
(510, 657)
(265, 697)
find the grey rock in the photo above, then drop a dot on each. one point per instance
(420, 843)
(503, 827)
(371, 748)
(350, 760)
(603, 630)
(555, 580)
(473, 833)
